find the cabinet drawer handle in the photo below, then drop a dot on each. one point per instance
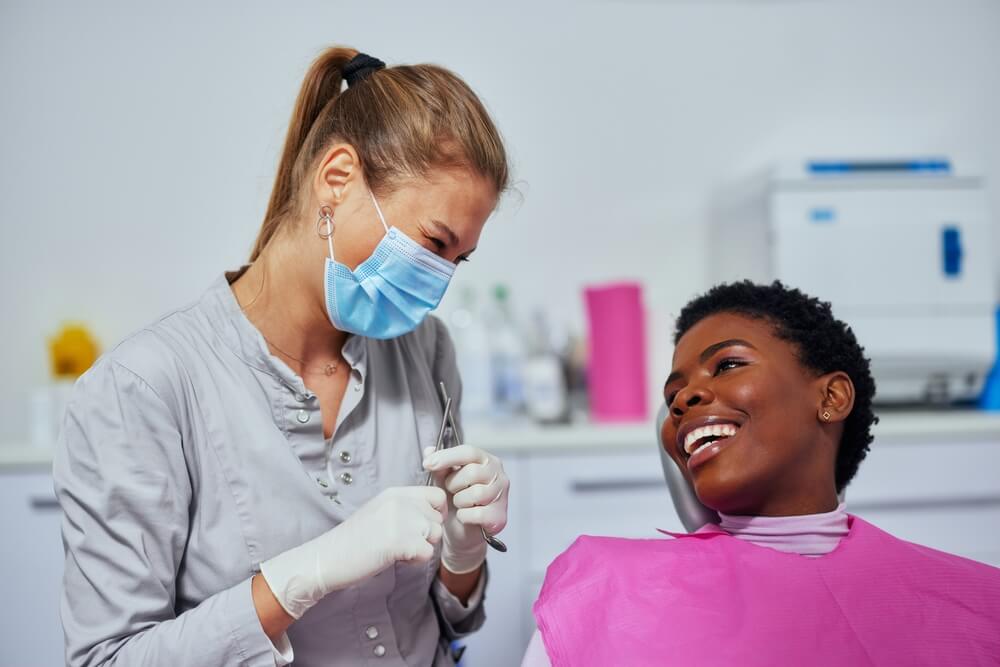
(45, 503)
(612, 485)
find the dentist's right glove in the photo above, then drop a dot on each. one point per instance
(477, 488)
(400, 524)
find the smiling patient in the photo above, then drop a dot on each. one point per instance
(769, 418)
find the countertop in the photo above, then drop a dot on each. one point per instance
(896, 426)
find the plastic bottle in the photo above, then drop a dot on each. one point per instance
(472, 350)
(545, 374)
(507, 354)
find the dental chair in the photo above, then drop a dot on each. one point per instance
(692, 513)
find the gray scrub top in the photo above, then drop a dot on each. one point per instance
(189, 454)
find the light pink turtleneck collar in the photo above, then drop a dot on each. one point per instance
(809, 535)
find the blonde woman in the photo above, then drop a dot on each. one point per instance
(242, 481)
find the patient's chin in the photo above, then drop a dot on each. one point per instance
(723, 492)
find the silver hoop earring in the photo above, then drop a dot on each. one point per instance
(325, 219)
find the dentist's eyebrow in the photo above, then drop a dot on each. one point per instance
(444, 230)
(732, 342)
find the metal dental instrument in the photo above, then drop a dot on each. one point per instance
(450, 419)
(429, 479)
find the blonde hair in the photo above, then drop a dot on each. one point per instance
(402, 121)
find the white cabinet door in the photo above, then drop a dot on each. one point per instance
(941, 494)
(618, 493)
(31, 560)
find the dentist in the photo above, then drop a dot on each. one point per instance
(242, 480)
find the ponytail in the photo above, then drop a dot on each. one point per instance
(321, 86)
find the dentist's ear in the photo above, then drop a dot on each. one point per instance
(339, 166)
(836, 397)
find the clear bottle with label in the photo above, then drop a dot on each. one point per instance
(545, 373)
(507, 355)
(472, 351)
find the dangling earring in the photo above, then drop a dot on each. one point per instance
(826, 415)
(324, 225)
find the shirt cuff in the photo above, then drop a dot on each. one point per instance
(451, 608)
(282, 651)
(251, 643)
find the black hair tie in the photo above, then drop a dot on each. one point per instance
(360, 67)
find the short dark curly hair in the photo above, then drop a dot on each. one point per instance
(823, 344)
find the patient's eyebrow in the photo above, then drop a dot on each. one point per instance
(707, 354)
(715, 347)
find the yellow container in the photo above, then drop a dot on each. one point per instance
(72, 351)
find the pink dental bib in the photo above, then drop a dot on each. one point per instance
(710, 599)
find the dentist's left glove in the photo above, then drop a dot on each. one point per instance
(401, 524)
(477, 496)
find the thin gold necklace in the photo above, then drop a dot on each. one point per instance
(328, 369)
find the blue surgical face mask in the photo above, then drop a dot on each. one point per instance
(391, 292)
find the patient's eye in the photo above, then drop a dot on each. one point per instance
(728, 364)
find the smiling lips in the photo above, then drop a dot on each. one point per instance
(698, 438)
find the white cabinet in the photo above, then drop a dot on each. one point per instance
(614, 493)
(942, 493)
(31, 563)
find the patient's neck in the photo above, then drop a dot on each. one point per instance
(807, 534)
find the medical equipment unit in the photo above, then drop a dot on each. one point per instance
(901, 248)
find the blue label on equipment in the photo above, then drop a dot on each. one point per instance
(822, 215)
(830, 167)
(951, 251)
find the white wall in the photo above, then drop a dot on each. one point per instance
(138, 139)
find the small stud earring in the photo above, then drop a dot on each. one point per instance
(826, 415)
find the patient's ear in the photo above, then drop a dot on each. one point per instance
(836, 392)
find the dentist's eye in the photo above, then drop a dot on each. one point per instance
(728, 364)
(438, 243)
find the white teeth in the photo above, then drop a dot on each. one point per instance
(715, 430)
(700, 448)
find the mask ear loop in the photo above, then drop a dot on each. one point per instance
(379, 211)
(326, 218)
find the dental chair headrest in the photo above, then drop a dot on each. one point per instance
(692, 513)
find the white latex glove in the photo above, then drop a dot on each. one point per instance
(477, 497)
(400, 524)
